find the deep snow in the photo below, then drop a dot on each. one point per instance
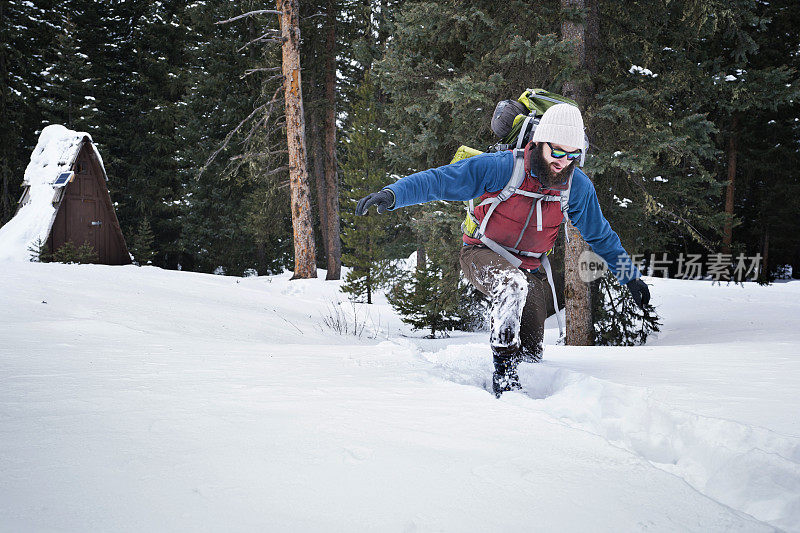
(142, 399)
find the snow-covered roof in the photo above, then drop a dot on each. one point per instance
(54, 153)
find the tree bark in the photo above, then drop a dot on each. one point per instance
(304, 249)
(577, 293)
(764, 274)
(318, 154)
(368, 282)
(727, 237)
(6, 214)
(422, 260)
(334, 254)
(261, 258)
(422, 256)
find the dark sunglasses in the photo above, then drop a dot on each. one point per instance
(558, 154)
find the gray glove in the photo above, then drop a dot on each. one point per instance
(639, 291)
(383, 200)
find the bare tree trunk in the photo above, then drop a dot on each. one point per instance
(319, 177)
(593, 46)
(422, 256)
(577, 293)
(304, 249)
(727, 237)
(422, 260)
(261, 258)
(369, 285)
(764, 274)
(331, 175)
(6, 213)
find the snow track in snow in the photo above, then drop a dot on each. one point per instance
(143, 399)
(751, 469)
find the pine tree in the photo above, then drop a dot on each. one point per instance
(764, 101)
(141, 245)
(235, 209)
(433, 295)
(619, 321)
(684, 88)
(138, 63)
(417, 298)
(364, 171)
(304, 244)
(68, 94)
(26, 30)
(344, 37)
(448, 64)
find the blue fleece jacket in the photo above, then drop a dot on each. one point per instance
(470, 178)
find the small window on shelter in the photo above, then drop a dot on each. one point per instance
(24, 197)
(81, 167)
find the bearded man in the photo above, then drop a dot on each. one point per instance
(524, 196)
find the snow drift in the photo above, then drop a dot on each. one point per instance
(173, 401)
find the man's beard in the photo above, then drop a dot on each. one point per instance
(545, 173)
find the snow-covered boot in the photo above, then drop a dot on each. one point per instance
(505, 376)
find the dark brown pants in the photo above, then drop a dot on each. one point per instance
(514, 323)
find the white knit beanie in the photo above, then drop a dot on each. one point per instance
(562, 124)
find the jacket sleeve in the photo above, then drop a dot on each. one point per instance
(585, 214)
(459, 181)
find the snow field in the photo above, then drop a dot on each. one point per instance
(137, 398)
(748, 468)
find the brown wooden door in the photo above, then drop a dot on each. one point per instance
(80, 215)
(83, 223)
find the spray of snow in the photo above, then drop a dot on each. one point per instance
(509, 291)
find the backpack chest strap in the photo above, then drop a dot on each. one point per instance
(529, 194)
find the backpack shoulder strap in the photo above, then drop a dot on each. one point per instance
(516, 179)
(565, 197)
(565, 206)
(524, 130)
(517, 175)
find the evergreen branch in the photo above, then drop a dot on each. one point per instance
(250, 14)
(653, 205)
(610, 297)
